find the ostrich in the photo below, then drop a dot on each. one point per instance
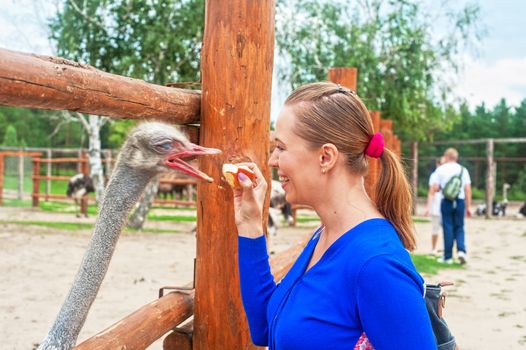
(277, 204)
(151, 148)
(79, 186)
(497, 208)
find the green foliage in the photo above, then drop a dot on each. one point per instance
(477, 194)
(74, 226)
(392, 43)
(158, 41)
(119, 131)
(34, 128)
(502, 121)
(10, 137)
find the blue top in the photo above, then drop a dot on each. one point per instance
(365, 282)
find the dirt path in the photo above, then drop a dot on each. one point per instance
(486, 309)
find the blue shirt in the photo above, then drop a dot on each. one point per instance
(364, 282)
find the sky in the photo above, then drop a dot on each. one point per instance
(498, 70)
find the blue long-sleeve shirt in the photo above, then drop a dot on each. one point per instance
(365, 282)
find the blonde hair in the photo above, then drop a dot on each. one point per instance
(451, 154)
(329, 113)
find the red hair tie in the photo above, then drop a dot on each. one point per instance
(375, 149)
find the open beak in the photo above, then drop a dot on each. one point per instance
(175, 160)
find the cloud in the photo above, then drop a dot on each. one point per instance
(490, 82)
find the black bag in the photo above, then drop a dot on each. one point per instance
(435, 303)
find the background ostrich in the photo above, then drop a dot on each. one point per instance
(278, 204)
(78, 187)
(151, 148)
(497, 208)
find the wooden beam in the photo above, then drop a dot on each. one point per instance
(180, 338)
(236, 71)
(1, 178)
(346, 76)
(477, 159)
(475, 141)
(143, 327)
(46, 82)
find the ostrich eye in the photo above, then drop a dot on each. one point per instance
(165, 146)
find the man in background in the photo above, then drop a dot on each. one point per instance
(453, 210)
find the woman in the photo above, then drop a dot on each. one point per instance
(355, 275)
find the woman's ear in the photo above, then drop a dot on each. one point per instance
(328, 156)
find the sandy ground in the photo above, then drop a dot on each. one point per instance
(486, 309)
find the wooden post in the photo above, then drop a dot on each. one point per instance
(346, 76)
(180, 338)
(374, 164)
(48, 173)
(36, 181)
(414, 157)
(109, 162)
(397, 147)
(1, 179)
(490, 192)
(20, 174)
(80, 154)
(84, 165)
(386, 128)
(236, 71)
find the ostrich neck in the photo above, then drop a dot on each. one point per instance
(124, 189)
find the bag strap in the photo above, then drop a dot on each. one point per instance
(461, 172)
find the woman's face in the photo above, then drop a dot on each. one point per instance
(297, 165)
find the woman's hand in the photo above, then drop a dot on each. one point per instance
(248, 203)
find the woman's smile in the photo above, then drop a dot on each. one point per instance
(284, 181)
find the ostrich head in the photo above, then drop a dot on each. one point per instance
(154, 147)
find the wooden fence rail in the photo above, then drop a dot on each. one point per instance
(144, 326)
(28, 80)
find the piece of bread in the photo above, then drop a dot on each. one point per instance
(231, 171)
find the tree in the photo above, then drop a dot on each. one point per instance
(158, 41)
(10, 137)
(395, 45)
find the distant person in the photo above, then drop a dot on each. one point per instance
(434, 200)
(455, 204)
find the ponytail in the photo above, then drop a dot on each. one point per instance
(394, 200)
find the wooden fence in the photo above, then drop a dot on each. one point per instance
(4, 154)
(233, 109)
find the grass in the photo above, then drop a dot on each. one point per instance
(420, 220)
(63, 207)
(57, 186)
(307, 218)
(177, 218)
(429, 265)
(72, 226)
(16, 203)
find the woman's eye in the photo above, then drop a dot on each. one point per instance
(280, 148)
